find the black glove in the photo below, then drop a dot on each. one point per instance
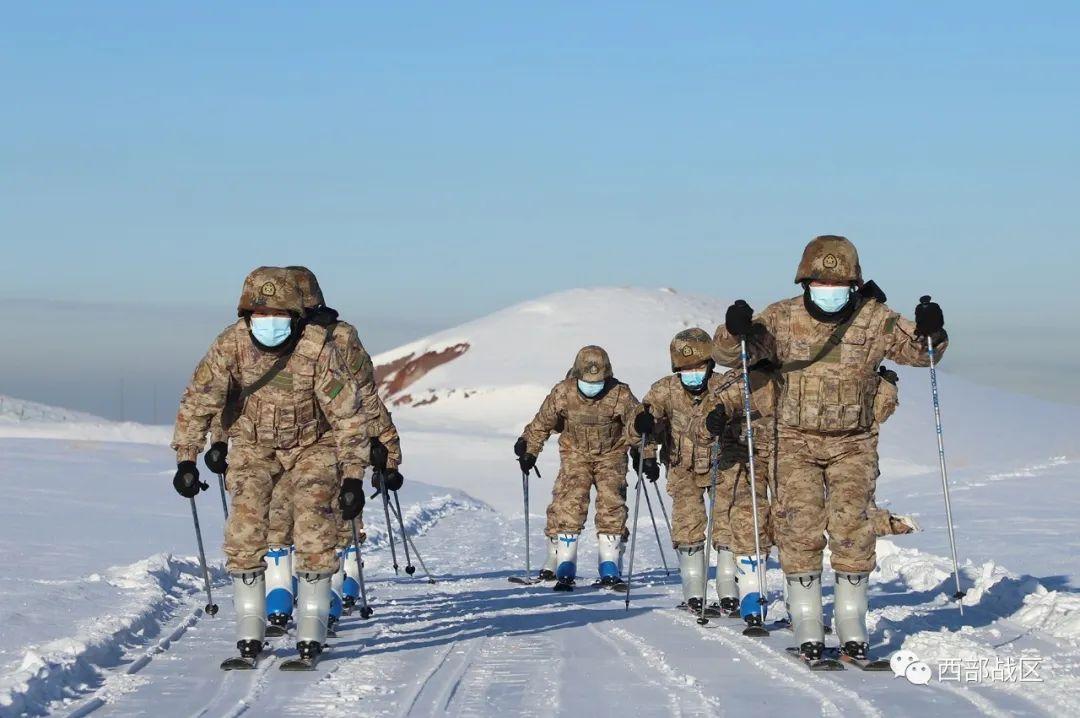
(351, 498)
(888, 375)
(214, 458)
(526, 461)
(322, 316)
(871, 290)
(716, 420)
(644, 423)
(928, 318)
(739, 319)
(392, 478)
(520, 447)
(186, 482)
(379, 455)
(650, 469)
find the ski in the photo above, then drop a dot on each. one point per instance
(273, 631)
(755, 632)
(820, 664)
(618, 587)
(784, 624)
(525, 580)
(299, 664)
(711, 611)
(863, 664)
(238, 663)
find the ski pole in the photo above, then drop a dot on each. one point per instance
(409, 568)
(715, 469)
(663, 509)
(633, 541)
(637, 509)
(525, 494)
(365, 608)
(656, 531)
(748, 412)
(211, 607)
(224, 503)
(959, 595)
(415, 551)
(389, 527)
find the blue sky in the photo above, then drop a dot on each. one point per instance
(435, 161)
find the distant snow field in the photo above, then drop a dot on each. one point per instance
(102, 610)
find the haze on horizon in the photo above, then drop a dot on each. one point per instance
(435, 164)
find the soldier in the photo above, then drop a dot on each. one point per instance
(679, 403)
(300, 417)
(595, 414)
(828, 343)
(385, 457)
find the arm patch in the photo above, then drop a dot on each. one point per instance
(890, 324)
(333, 388)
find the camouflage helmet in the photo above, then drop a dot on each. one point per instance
(309, 286)
(592, 364)
(690, 347)
(270, 288)
(830, 258)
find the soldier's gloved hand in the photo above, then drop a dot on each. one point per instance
(351, 498)
(871, 290)
(716, 420)
(644, 422)
(215, 457)
(526, 461)
(650, 470)
(186, 481)
(928, 318)
(520, 447)
(379, 456)
(391, 479)
(322, 316)
(739, 319)
(888, 375)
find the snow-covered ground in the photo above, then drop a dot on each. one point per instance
(101, 611)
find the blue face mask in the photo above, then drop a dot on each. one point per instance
(830, 299)
(271, 331)
(590, 388)
(692, 379)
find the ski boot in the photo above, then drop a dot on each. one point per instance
(279, 590)
(249, 600)
(566, 562)
(350, 587)
(312, 620)
(804, 609)
(610, 550)
(727, 586)
(850, 605)
(337, 590)
(547, 573)
(751, 602)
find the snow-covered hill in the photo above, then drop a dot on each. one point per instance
(27, 419)
(100, 601)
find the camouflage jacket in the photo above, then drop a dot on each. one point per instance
(828, 372)
(315, 392)
(589, 427)
(380, 425)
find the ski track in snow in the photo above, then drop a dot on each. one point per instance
(474, 645)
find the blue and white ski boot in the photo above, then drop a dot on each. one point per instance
(280, 590)
(609, 549)
(752, 605)
(566, 561)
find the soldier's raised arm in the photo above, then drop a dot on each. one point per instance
(759, 332)
(203, 399)
(906, 340)
(658, 399)
(628, 407)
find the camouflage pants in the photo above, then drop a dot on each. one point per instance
(570, 497)
(825, 483)
(733, 509)
(281, 517)
(254, 473)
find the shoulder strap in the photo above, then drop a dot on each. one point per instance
(266, 378)
(834, 339)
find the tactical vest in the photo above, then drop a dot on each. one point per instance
(836, 392)
(283, 414)
(593, 428)
(683, 451)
